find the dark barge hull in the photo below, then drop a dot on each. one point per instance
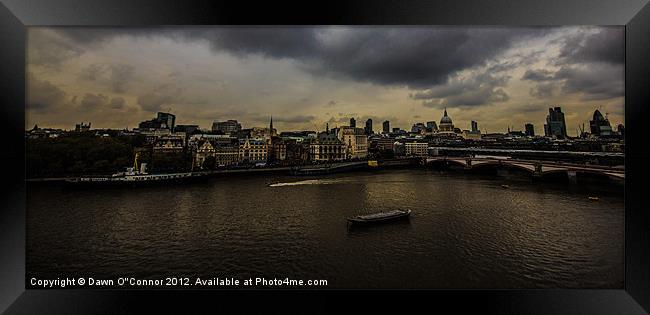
(397, 217)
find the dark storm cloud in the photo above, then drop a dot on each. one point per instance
(605, 46)
(544, 90)
(92, 101)
(121, 75)
(595, 82)
(118, 76)
(50, 51)
(477, 90)
(117, 103)
(92, 72)
(412, 57)
(591, 65)
(43, 95)
(538, 75)
(407, 56)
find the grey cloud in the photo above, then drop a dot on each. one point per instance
(544, 90)
(121, 76)
(477, 90)
(608, 45)
(92, 72)
(117, 103)
(439, 103)
(42, 95)
(504, 66)
(595, 82)
(94, 101)
(416, 57)
(538, 75)
(153, 102)
(118, 76)
(46, 49)
(331, 103)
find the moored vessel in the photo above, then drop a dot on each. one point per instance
(135, 176)
(380, 217)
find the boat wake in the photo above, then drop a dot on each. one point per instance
(307, 182)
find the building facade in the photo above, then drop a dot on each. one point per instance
(355, 140)
(555, 124)
(529, 129)
(327, 147)
(446, 125)
(253, 151)
(368, 128)
(227, 127)
(416, 148)
(599, 125)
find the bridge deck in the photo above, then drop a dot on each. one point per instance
(546, 166)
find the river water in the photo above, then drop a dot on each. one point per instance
(465, 231)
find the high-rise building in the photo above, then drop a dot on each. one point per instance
(228, 127)
(162, 121)
(386, 126)
(555, 124)
(368, 128)
(473, 134)
(82, 127)
(167, 120)
(432, 126)
(353, 123)
(600, 125)
(418, 128)
(530, 130)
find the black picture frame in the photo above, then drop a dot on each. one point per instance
(16, 15)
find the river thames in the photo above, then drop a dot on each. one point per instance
(465, 231)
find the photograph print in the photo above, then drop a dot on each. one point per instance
(325, 157)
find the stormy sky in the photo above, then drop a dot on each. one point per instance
(307, 76)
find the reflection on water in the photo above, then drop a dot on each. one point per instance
(464, 231)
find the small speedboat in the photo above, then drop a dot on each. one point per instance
(505, 186)
(594, 198)
(380, 217)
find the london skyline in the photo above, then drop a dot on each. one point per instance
(306, 77)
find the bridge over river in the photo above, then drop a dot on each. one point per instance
(534, 167)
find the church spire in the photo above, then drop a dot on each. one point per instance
(445, 112)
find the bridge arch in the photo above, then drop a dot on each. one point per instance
(447, 161)
(477, 165)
